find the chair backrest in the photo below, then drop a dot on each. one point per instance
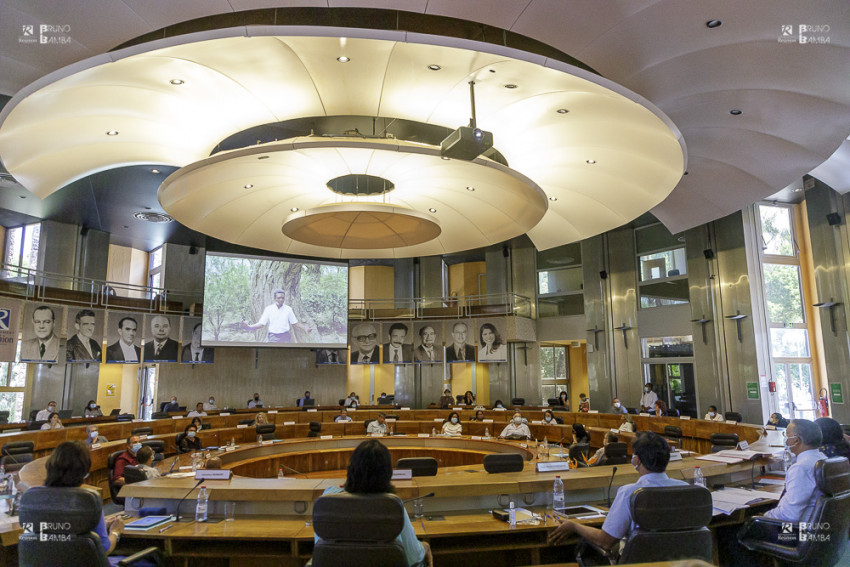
(673, 431)
(264, 428)
(17, 448)
(125, 417)
(553, 401)
(580, 450)
(826, 538)
(4, 416)
(671, 524)
(518, 401)
(33, 413)
(162, 406)
(388, 401)
(158, 445)
(420, 466)
(730, 415)
(672, 412)
(133, 474)
(315, 426)
(65, 518)
(459, 398)
(722, 441)
(503, 462)
(160, 415)
(142, 431)
(14, 463)
(205, 426)
(366, 423)
(113, 488)
(616, 454)
(358, 530)
(36, 425)
(246, 422)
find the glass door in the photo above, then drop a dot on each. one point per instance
(147, 391)
(794, 390)
(674, 384)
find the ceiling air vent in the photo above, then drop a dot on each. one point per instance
(152, 217)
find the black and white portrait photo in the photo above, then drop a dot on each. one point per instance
(364, 343)
(491, 342)
(428, 341)
(398, 348)
(460, 342)
(123, 337)
(84, 330)
(192, 351)
(40, 326)
(160, 346)
(330, 356)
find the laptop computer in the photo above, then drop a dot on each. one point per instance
(65, 413)
(116, 411)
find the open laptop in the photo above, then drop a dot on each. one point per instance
(65, 413)
(116, 411)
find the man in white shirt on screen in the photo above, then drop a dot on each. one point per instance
(280, 319)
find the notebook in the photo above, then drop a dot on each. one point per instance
(148, 522)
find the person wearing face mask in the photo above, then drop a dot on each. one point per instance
(92, 410)
(53, 422)
(127, 458)
(713, 414)
(651, 453)
(93, 437)
(617, 407)
(209, 405)
(171, 405)
(516, 429)
(777, 421)
(583, 403)
(564, 400)
(802, 439)
(44, 414)
(451, 426)
(198, 411)
(550, 419)
(498, 405)
(447, 400)
(189, 441)
(255, 402)
(379, 426)
(648, 399)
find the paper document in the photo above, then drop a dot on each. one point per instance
(766, 480)
(728, 500)
(720, 459)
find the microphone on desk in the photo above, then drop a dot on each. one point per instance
(429, 495)
(290, 469)
(610, 482)
(177, 514)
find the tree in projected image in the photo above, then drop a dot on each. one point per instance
(324, 293)
(226, 295)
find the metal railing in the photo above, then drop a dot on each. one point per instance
(486, 305)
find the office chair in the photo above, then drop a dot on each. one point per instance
(162, 406)
(267, 431)
(315, 429)
(142, 431)
(673, 433)
(33, 413)
(459, 399)
(553, 401)
(518, 401)
(36, 425)
(420, 466)
(388, 401)
(358, 530)
(134, 474)
(4, 417)
(671, 524)
(160, 415)
(826, 535)
(14, 463)
(113, 488)
(342, 401)
(503, 462)
(580, 452)
(246, 422)
(723, 441)
(671, 412)
(69, 516)
(125, 417)
(615, 454)
(158, 447)
(366, 424)
(18, 448)
(730, 415)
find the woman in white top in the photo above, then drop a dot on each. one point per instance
(492, 347)
(713, 414)
(92, 410)
(53, 422)
(452, 425)
(352, 401)
(516, 428)
(627, 423)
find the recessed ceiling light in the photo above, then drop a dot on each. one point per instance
(154, 171)
(736, 112)
(22, 196)
(434, 67)
(112, 133)
(562, 111)
(432, 209)
(248, 186)
(553, 198)
(125, 226)
(713, 23)
(294, 209)
(343, 59)
(797, 190)
(263, 157)
(176, 81)
(510, 86)
(591, 161)
(470, 188)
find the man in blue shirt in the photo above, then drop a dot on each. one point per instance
(651, 453)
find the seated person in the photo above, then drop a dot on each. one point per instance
(563, 400)
(451, 425)
(660, 409)
(627, 423)
(53, 422)
(382, 398)
(650, 458)
(617, 407)
(209, 405)
(369, 472)
(145, 458)
(446, 400)
(468, 398)
(92, 436)
(255, 402)
(172, 405)
(580, 435)
(516, 428)
(68, 466)
(498, 405)
(196, 421)
(352, 401)
(189, 441)
(343, 416)
(479, 416)
(45, 414)
(379, 426)
(599, 457)
(518, 412)
(713, 414)
(550, 419)
(261, 418)
(583, 403)
(303, 401)
(833, 443)
(128, 457)
(803, 437)
(92, 410)
(198, 411)
(777, 421)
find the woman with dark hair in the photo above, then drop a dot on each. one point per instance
(53, 422)
(68, 466)
(492, 347)
(563, 399)
(498, 405)
(446, 400)
(92, 410)
(627, 423)
(479, 415)
(583, 403)
(189, 441)
(579, 434)
(833, 443)
(550, 419)
(451, 425)
(469, 398)
(196, 421)
(660, 409)
(777, 421)
(369, 472)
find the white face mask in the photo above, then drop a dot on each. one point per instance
(93, 434)
(711, 414)
(646, 390)
(517, 420)
(191, 434)
(92, 406)
(454, 420)
(173, 401)
(616, 404)
(212, 401)
(548, 418)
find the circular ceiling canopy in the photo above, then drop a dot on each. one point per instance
(599, 154)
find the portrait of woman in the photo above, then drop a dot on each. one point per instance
(492, 347)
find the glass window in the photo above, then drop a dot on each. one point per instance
(22, 249)
(14, 237)
(782, 293)
(665, 264)
(789, 343)
(156, 258)
(666, 347)
(777, 237)
(565, 280)
(554, 363)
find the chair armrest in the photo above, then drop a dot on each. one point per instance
(761, 534)
(151, 553)
(611, 556)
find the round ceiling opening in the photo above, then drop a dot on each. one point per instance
(360, 185)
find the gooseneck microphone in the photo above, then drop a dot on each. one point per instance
(429, 495)
(177, 514)
(610, 482)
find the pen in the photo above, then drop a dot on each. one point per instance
(422, 523)
(168, 527)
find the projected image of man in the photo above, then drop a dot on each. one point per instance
(280, 319)
(364, 344)
(395, 351)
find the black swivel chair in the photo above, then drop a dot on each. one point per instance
(36, 425)
(723, 441)
(73, 513)
(733, 415)
(158, 447)
(366, 424)
(16, 455)
(420, 466)
(125, 417)
(615, 454)
(160, 415)
(246, 422)
(518, 401)
(113, 488)
(826, 539)
(205, 426)
(133, 474)
(671, 524)
(267, 431)
(4, 417)
(553, 402)
(503, 462)
(460, 398)
(142, 431)
(14, 463)
(315, 429)
(580, 452)
(369, 541)
(673, 433)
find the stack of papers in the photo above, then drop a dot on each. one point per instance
(728, 500)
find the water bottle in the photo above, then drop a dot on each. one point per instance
(512, 515)
(699, 478)
(391, 429)
(558, 495)
(280, 473)
(787, 460)
(433, 432)
(201, 506)
(486, 433)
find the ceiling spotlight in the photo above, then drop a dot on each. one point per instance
(432, 210)
(154, 171)
(562, 111)
(434, 67)
(591, 161)
(736, 112)
(22, 196)
(248, 186)
(470, 188)
(713, 23)
(176, 81)
(553, 198)
(112, 133)
(343, 59)
(510, 86)
(797, 190)
(294, 209)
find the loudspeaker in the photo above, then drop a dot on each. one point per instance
(603, 275)
(833, 219)
(193, 250)
(503, 462)
(84, 231)
(506, 251)
(708, 253)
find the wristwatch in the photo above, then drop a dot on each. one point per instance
(117, 536)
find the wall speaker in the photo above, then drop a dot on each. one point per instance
(506, 251)
(603, 275)
(193, 250)
(708, 253)
(833, 219)
(84, 231)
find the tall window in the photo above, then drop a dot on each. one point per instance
(554, 369)
(560, 290)
(790, 353)
(155, 271)
(13, 379)
(21, 250)
(662, 266)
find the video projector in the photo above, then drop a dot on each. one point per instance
(466, 143)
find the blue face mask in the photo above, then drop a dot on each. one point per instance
(135, 447)
(548, 418)
(191, 434)
(454, 420)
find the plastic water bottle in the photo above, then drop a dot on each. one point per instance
(558, 495)
(280, 473)
(699, 478)
(512, 515)
(202, 505)
(486, 433)
(391, 429)
(433, 432)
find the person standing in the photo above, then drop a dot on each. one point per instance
(647, 401)
(125, 348)
(82, 347)
(45, 346)
(280, 319)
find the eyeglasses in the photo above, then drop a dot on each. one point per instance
(369, 337)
